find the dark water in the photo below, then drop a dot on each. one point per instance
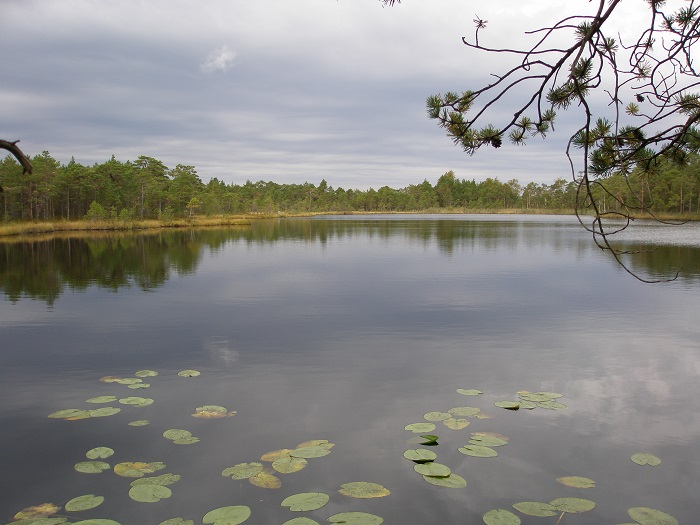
(348, 329)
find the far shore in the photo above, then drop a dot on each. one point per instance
(14, 229)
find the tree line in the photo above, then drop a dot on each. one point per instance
(147, 189)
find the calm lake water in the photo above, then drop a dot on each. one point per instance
(348, 329)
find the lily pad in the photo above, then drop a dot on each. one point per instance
(146, 373)
(70, 413)
(105, 411)
(646, 459)
(418, 428)
(535, 397)
(500, 517)
(137, 386)
(552, 405)
(102, 399)
(487, 440)
(310, 452)
(212, 412)
(137, 469)
(139, 423)
(129, 381)
(149, 493)
(176, 433)
(99, 453)
(37, 511)
(289, 464)
(227, 515)
(429, 439)
(301, 521)
(436, 416)
(478, 451)
(508, 405)
(456, 423)
(275, 455)
(40, 521)
(315, 443)
(186, 441)
(97, 522)
(189, 373)
(573, 505)
(306, 501)
(536, 508)
(577, 482)
(647, 516)
(243, 470)
(356, 518)
(420, 455)
(453, 481)
(364, 489)
(91, 467)
(464, 411)
(469, 392)
(86, 502)
(436, 470)
(136, 401)
(163, 480)
(265, 480)
(177, 521)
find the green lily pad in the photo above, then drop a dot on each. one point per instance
(162, 480)
(91, 467)
(573, 505)
(356, 518)
(146, 373)
(469, 392)
(436, 470)
(137, 469)
(99, 453)
(508, 405)
(418, 428)
(456, 423)
(189, 373)
(136, 401)
(577, 482)
(306, 501)
(647, 516)
(102, 399)
(478, 451)
(464, 411)
(289, 464)
(176, 433)
(436, 416)
(39, 521)
(70, 414)
(301, 521)
(212, 412)
(177, 521)
(487, 440)
(310, 452)
(105, 411)
(128, 381)
(552, 405)
(140, 423)
(274, 455)
(420, 455)
(500, 517)
(137, 386)
(536, 508)
(535, 397)
(186, 441)
(453, 481)
(528, 405)
(430, 439)
(149, 493)
(86, 502)
(646, 459)
(364, 490)
(242, 470)
(265, 480)
(97, 522)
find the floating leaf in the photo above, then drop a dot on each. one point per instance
(420, 455)
(436, 470)
(453, 481)
(310, 452)
(140, 423)
(186, 441)
(128, 381)
(91, 467)
(146, 373)
(105, 411)
(528, 405)
(102, 399)
(97, 522)
(163, 480)
(37, 511)
(86, 502)
(469, 392)
(536, 508)
(646, 459)
(301, 521)
(177, 521)
(364, 489)
(289, 464)
(137, 469)
(242, 470)
(212, 412)
(149, 493)
(275, 455)
(478, 451)
(265, 480)
(176, 433)
(418, 428)
(430, 439)
(577, 482)
(139, 385)
(436, 416)
(111, 379)
(189, 373)
(455, 423)
(508, 405)
(464, 411)
(71, 414)
(535, 397)
(40, 521)
(306, 501)
(552, 405)
(356, 518)
(314, 443)
(647, 516)
(136, 401)
(500, 517)
(501, 437)
(99, 452)
(573, 505)
(487, 440)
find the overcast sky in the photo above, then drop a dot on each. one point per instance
(282, 90)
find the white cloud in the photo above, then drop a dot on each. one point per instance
(220, 59)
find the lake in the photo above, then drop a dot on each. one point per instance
(348, 329)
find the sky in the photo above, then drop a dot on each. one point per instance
(283, 90)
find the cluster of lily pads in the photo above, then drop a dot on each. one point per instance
(532, 400)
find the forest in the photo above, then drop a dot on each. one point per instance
(147, 189)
